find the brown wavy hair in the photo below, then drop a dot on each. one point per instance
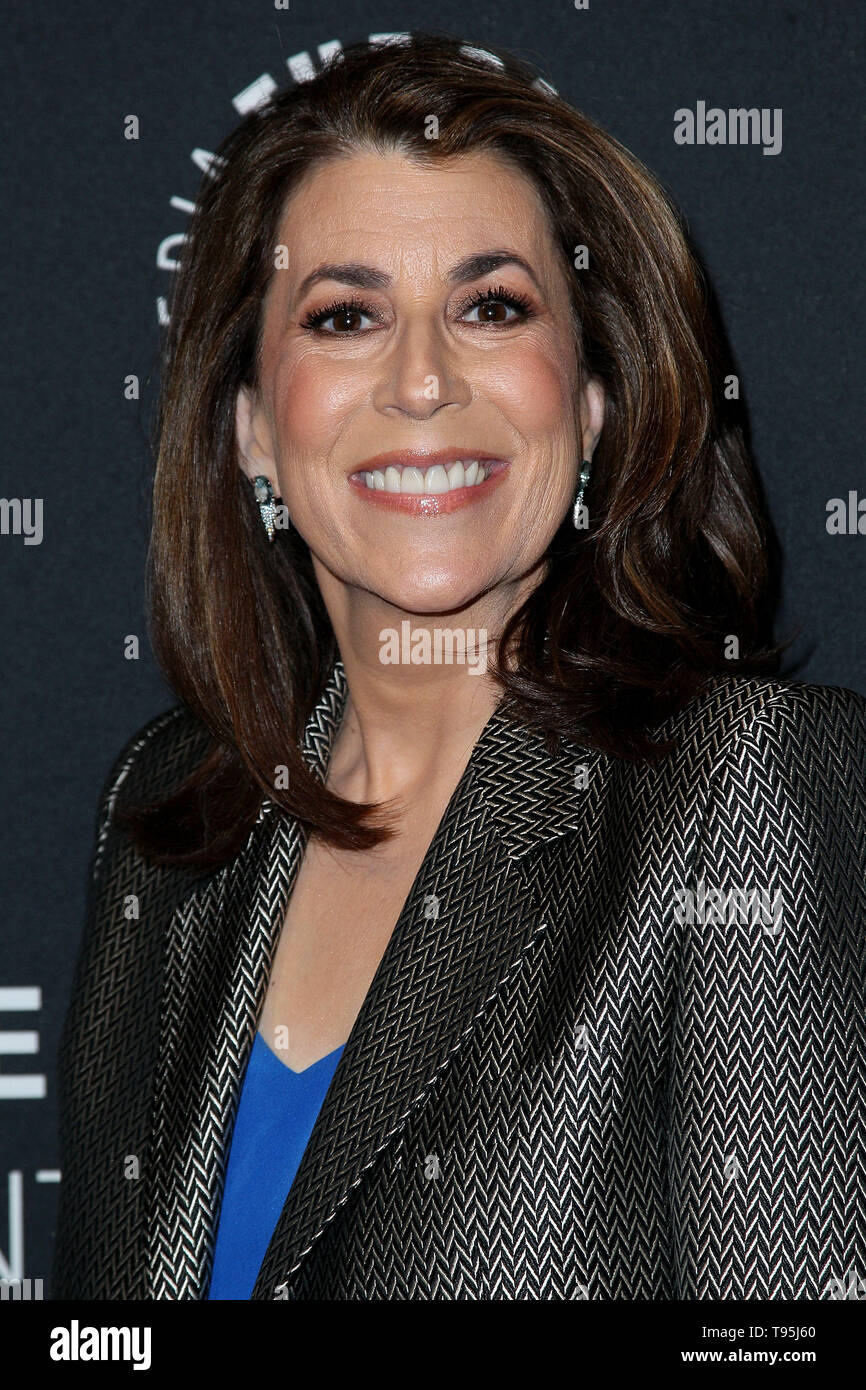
(630, 617)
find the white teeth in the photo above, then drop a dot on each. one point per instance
(436, 479)
(412, 480)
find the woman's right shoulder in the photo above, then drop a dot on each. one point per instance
(152, 763)
(158, 756)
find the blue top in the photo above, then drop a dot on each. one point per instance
(276, 1114)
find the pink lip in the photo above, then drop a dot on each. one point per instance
(429, 503)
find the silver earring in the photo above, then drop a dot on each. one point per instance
(578, 518)
(267, 505)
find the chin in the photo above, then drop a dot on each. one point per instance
(426, 595)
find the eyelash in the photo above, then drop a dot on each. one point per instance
(499, 295)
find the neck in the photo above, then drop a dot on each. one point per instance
(410, 725)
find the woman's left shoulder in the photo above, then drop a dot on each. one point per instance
(776, 712)
(784, 806)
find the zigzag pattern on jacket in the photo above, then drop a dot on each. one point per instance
(556, 1088)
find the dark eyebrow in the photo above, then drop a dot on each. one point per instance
(348, 273)
(366, 277)
(473, 267)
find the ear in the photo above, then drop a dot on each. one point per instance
(591, 415)
(253, 436)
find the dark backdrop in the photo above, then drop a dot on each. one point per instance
(89, 219)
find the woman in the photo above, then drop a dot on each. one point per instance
(535, 972)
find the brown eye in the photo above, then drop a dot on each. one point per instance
(339, 319)
(494, 312)
(346, 320)
(497, 308)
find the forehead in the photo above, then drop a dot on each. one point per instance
(406, 216)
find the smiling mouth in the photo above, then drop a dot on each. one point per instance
(429, 484)
(434, 480)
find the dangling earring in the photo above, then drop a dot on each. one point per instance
(267, 505)
(579, 509)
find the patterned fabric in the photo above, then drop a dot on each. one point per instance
(587, 1067)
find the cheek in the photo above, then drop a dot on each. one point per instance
(313, 400)
(534, 390)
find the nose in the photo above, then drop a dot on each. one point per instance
(420, 374)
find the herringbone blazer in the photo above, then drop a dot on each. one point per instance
(588, 1065)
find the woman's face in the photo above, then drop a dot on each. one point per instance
(420, 321)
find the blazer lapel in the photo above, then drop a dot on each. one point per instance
(219, 947)
(473, 915)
